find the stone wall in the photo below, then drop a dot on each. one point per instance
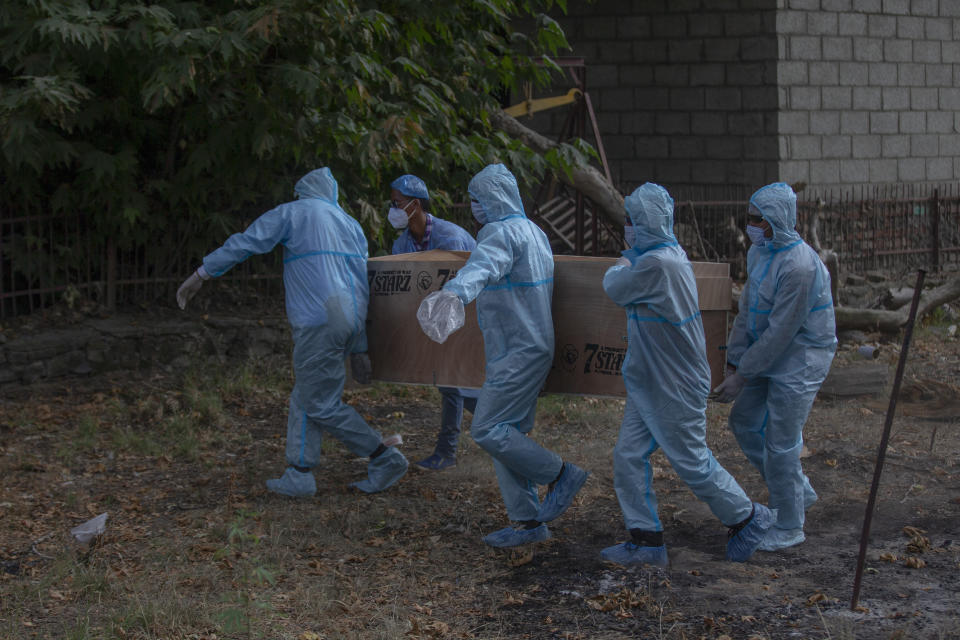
(869, 91)
(128, 342)
(685, 91)
(832, 93)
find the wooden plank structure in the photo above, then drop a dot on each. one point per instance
(589, 328)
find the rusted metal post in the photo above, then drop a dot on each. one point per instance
(111, 274)
(581, 241)
(3, 284)
(885, 438)
(935, 208)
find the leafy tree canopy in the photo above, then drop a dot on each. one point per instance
(143, 113)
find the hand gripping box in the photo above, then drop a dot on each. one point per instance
(590, 330)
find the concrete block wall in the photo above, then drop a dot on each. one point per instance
(685, 90)
(869, 91)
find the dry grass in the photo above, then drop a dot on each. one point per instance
(196, 548)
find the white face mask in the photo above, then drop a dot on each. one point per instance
(398, 217)
(629, 235)
(756, 235)
(477, 210)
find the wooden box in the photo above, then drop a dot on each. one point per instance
(590, 330)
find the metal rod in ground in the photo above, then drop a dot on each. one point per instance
(885, 438)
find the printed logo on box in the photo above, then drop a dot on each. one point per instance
(389, 282)
(603, 359)
(568, 357)
(424, 281)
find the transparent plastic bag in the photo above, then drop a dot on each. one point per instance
(440, 314)
(90, 529)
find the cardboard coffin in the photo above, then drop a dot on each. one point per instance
(590, 330)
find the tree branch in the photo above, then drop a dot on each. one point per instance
(586, 179)
(890, 321)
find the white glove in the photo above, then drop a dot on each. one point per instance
(730, 388)
(360, 367)
(190, 286)
(440, 314)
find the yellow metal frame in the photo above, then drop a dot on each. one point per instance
(531, 105)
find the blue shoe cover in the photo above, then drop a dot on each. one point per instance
(776, 539)
(627, 553)
(561, 496)
(436, 462)
(383, 471)
(293, 483)
(516, 536)
(743, 543)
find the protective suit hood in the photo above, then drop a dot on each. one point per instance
(496, 190)
(777, 203)
(650, 208)
(319, 183)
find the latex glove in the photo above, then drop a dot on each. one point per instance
(440, 314)
(190, 286)
(730, 388)
(360, 367)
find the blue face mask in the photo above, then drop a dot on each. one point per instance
(477, 210)
(756, 235)
(629, 235)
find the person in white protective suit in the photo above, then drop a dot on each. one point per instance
(510, 274)
(667, 379)
(778, 354)
(325, 278)
(422, 231)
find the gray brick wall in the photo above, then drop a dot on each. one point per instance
(833, 93)
(899, 63)
(698, 95)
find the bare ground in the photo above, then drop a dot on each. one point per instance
(196, 548)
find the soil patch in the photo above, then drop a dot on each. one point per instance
(196, 548)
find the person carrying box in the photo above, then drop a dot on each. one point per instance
(422, 231)
(510, 275)
(667, 380)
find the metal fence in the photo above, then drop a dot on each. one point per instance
(889, 228)
(46, 259)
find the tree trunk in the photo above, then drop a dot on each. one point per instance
(891, 321)
(895, 298)
(586, 179)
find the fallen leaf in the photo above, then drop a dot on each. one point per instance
(830, 462)
(519, 557)
(815, 598)
(914, 563)
(511, 599)
(888, 557)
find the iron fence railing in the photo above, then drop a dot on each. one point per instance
(48, 258)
